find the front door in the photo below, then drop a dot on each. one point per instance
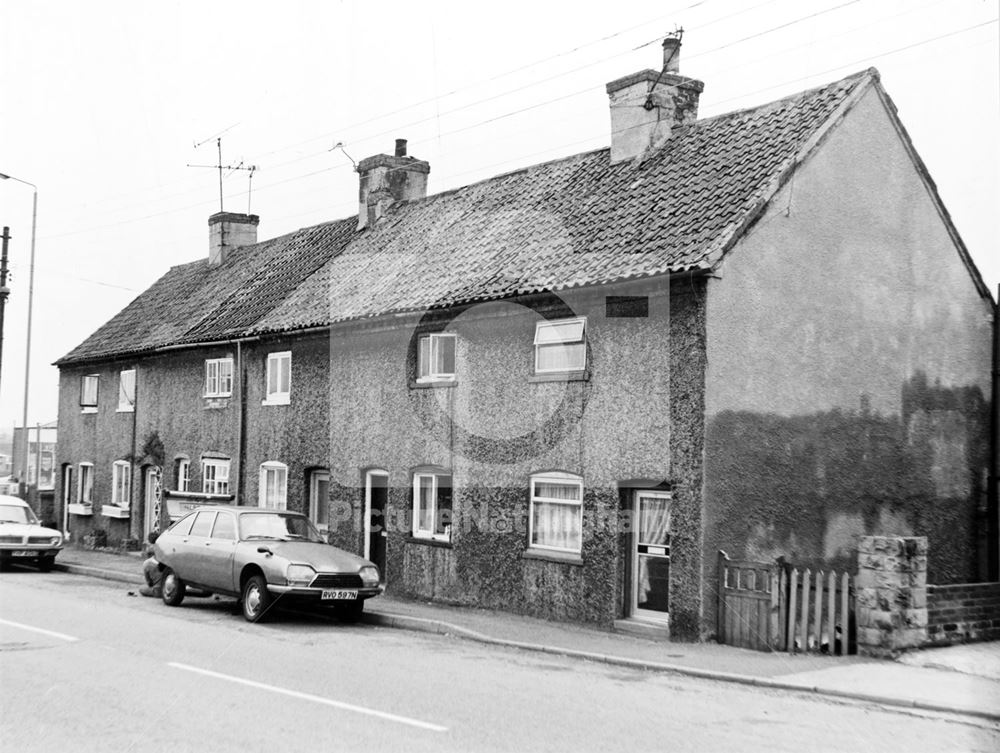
(154, 498)
(651, 555)
(376, 499)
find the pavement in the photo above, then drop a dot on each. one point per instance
(962, 680)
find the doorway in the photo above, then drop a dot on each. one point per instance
(650, 553)
(376, 535)
(153, 498)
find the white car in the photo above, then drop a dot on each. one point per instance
(23, 537)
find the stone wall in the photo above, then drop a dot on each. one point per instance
(963, 613)
(891, 594)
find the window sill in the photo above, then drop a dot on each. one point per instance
(441, 543)
(416, 385)
(113, 511)
(125, 410)
(550, 555)
(277, 400)
(80, 509)
(560, 376)
(216, 402)
(89, 409)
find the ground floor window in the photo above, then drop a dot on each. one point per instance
(121, 483)
(273, 491)
(319, 498)
(85, 490)
(432, 506)
(215, 476)
(182, 474)
(555, 520)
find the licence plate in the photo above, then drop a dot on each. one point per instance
(339, 593)
(23, 553)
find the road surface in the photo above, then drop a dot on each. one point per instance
(84, 666)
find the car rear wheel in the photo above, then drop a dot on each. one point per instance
(45, 564)
(256, 599)
(173, 588)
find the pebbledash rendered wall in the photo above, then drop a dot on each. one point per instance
(634, 421)
(848, 369)
(173, 420)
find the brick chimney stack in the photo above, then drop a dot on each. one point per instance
(647, 106)
(386, 180)
(229, 230)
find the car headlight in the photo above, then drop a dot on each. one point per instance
(369, 576)
(299, 575)
(55, 541)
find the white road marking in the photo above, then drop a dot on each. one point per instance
(50, 633)
(314, 698)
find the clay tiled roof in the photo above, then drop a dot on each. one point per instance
(574, 222)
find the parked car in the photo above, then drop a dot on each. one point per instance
(23, 538)
(261, 556)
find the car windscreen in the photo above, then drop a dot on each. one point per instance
(16, 514)
(272, 525)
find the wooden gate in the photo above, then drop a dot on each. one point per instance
(749, 613)
(775, 607)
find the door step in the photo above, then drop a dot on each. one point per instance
(654, 631)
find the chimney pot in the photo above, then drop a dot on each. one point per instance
(672, 54)
(400, 147)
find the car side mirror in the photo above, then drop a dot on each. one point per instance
(264, 550)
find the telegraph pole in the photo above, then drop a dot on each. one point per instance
(4, 290)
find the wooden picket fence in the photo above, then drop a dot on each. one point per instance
(776, 607)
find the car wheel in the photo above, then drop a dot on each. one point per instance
(256, 599)
(173, 588)
(45, 564)
(351, 610)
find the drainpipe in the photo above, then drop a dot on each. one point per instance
(131, 480)
(240, 427)
(992, 491)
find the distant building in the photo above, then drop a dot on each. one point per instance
(41, 470)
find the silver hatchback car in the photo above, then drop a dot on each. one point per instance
(260, 556)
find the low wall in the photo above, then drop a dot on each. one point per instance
(962, 613)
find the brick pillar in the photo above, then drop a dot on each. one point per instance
(891, 594)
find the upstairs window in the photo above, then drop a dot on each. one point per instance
(215, 476)
(183, 474)
(218, 377)
(436, 358)
(432, 506)
(556, 516)
(88, 392)
(561, 346)
(273, 491)
(126, 391)
(121, 483)
(279, 378)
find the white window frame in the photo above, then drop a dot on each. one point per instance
(554, 477)
(315, 476)
(273, 394)
(183, 474)
(429, 352)
(280, 471)
(121, 484)
(546, 337)
(215, 482)
(217, 382)
(87, 404)
(431, 533)
(126, 383)
(85, 484)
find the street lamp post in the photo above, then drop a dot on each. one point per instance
(27, 347)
